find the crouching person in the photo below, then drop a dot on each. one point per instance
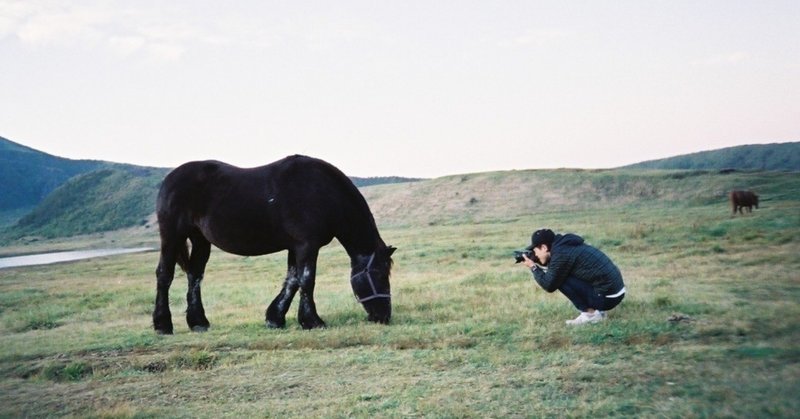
(584, 274)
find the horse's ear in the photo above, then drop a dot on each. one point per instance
(390, 250)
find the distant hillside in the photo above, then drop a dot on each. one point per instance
(109, 199)
(511, 195)
(778, 156)
(49, 196)
(27, 176)
(45, 195)
(108, 196)
(101, 200)
(380, 180)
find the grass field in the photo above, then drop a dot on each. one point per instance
(710, 327)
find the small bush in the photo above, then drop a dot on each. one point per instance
(74, 371)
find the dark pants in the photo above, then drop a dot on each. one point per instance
(583, 296)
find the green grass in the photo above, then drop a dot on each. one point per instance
(709, 328)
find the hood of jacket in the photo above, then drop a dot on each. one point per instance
(568, 239)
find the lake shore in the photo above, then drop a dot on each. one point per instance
(63, 257)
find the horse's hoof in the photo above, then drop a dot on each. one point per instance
(163, 332)
(200, 329)
(316, 325)
(275, 325)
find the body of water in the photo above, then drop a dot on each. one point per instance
(56, 257)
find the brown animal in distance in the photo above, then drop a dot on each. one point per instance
(741, 199)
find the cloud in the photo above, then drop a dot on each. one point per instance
(167, 32)
(50, 23)
(10, 15)
(153, 32)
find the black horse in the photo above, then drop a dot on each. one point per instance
(297, 204)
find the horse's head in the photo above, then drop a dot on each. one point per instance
(370, 282)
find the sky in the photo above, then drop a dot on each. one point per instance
(398, 88)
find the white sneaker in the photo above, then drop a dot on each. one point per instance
(586, 317)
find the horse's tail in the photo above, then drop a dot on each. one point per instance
(183, 256)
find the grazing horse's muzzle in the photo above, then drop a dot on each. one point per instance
(379, 311)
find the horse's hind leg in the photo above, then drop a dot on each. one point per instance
(276, 312)
(195, 313)
(165, 272)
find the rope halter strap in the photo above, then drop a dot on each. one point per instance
(375, 293)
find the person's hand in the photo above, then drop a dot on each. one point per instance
(528, 262)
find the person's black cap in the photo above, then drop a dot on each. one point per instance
(540, 237)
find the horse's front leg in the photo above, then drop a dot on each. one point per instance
(276, 312)
(195, 313)
(307, 313)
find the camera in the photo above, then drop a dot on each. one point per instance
(519, 253)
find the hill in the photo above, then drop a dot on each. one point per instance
(512, 195)
(100, 196)
(381, 180)
(27, 176)
(50, 196)
(110, 198)
(101, 200)
(777, 156)
(124, 197)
